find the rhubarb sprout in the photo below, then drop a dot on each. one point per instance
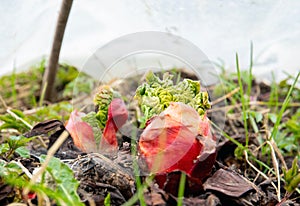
(102, 100)
(156, 94)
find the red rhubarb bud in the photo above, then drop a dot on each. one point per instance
(84, 130)
(178, 139)
(81, 132)
(117, 116)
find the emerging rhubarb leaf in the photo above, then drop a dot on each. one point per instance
(102, 100)
(96, 132)
(82, 133)
(178, 139)
(171, 141)
(86, 133)
(117, 116)
(155, 95)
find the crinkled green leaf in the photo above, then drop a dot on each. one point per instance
(102, 100)
(10, 122)
(91, 119)
(4, 147)
(15, 142)
(65, 183)
(23, 152)
(11, 174)
(155, 95)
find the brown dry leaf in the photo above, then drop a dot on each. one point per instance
(155, 196)
(228, 183)
(45, 127)
(7, 193)
(53, 129)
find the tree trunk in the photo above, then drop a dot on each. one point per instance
(51, 69)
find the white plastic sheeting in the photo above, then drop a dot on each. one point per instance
(218, 28)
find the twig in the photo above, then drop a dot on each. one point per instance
(30, 203)
(226, 96)
(51, 69)
(252, 184)
(50, 154)
(258, 171)
(24, 169)
(3, 102)
(260, 146)
(233, 127)
(280, 156)
(276, 167)
(27, 124)
(294, 104)
(43, 199)
(43, 94)
(18, 118)
(46, 198)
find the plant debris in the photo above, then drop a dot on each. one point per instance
(228, 183)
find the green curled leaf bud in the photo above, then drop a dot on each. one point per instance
(155, 95)
(102, 100)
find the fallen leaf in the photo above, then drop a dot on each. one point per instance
(228, 183)
(45, 127)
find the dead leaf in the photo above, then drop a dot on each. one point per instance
(45, 127)
(53, 129)
(228, 183)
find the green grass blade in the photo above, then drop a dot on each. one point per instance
(13, 84)
(227, 136)
(274, 93)
(43, 95)
(181, 189)
(140, 188)
(284, 105)
(135, 197)
(250, 70)
(244, 108)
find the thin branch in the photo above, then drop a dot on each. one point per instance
(226, 96)
(3, 102)
(50, 72)
(18, 118)
(255, 103)
(258, 171)
(50, 154)
(27, 124)
(276, 167)
(279, 154)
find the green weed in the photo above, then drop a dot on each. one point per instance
(15, 144)
(58, 182)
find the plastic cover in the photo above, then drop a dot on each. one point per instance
(218, 28)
